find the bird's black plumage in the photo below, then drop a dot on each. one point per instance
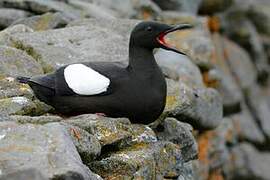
(137, 91)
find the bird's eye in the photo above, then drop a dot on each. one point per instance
(149, 29)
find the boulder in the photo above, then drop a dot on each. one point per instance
(214, 6)
(8, 16)
(47, 150)
(180, 5)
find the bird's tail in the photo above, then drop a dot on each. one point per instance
(22, 79)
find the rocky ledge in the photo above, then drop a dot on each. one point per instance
(216, 121)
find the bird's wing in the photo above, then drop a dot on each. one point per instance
(79, 79)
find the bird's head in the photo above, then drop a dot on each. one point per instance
(151, 35)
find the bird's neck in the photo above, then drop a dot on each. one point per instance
(141, 58)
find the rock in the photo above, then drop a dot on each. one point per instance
(87, 145)
(94, 11)
(180, 5)
(186, 71)
(23, 106)
(9, 87)
(55, 48)
(113, 132)
(248, 163)
(201, 107)
(45, 21)
(8, 16)
(181, 134)
(196, 43)
(139, 9)
(214, 6)
(175, 17)
(32, 174)
(259, 107)
(36, 119)
(228, 87)
(109, 131)
(141, 161)
(259, 13)
(40, 7)
(47, 149)
(247, 128)
(240, 65)
(15, 62)
(242, 31)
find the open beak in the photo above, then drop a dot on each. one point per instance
(164, 44)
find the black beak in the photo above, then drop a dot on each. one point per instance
(161, 36)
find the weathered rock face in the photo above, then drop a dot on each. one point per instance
(46, 149)
(216, 75)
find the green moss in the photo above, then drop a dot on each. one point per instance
(31, 52)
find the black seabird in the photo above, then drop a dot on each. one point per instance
(137, 92)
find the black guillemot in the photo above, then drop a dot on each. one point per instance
(137, 91)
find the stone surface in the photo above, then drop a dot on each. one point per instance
(180, 5)
(248, 163)
(240, 64)
(44, 22)
(23, 106)
(141, 161)
(87, 145)
(259, 106)
(47, 149)
(14, 62)
(32, 174)
(201, 107)
(214, 6)
(8, 16)
(40, 6)
(247, 128)
(178, 133)
(108, 131)
(139, 9)
(228, 87)
(179, 67)
(35, 119)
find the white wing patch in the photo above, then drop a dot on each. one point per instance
(83, 80)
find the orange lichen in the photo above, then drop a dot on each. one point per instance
(216, 175)
(76, 133)
(209, 82)
(214, 24)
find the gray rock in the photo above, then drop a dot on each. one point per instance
(259, 107)
(247, 128)
(248, 163)
(36, 119)
(196, 43)
(23, 106)
(139, 9)
(15, 62)
(94, 11)
(9, 87)
(200, 107)
(48, 149)
(141, 161)
(173, 63)
(240, 65)
(181, 134)
(214, 6)
(40, 7)
(180, 5)
(109, 131)
(87, 145)
(75, 44)
(32, 174)
(241, 30)
(44, 21)
(228, 87)
(8, 16)
(259, 13)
